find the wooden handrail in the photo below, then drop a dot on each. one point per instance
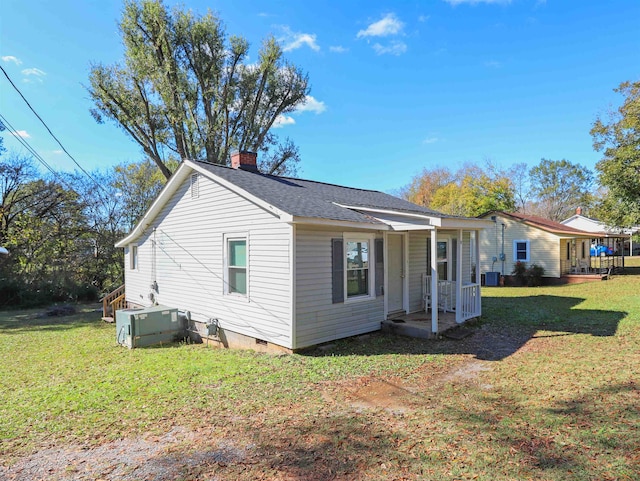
(118, 303)
(108, 300)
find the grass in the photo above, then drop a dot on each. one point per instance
(556, 396)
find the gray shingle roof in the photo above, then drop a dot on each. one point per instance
(305, 198)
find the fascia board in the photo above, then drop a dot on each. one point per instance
(338, 223)
(167, 191)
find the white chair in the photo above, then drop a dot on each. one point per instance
(426, 291)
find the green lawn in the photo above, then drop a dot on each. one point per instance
(546, 389)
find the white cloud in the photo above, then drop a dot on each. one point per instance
(283, 120)
(11, 58)
(423, 18)
(33, 71)
(338, 49)
(493, 64)
(295, 40)
(394, 48)
(312, 105)
(22, 133)
(57, 152)
(387, 25)
(476, 2)
(430, 140)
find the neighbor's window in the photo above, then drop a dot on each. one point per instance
(358, 275)
(521, 250)
(133, 257)
(237, 266)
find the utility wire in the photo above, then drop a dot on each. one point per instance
(49, 130)
(33, 152)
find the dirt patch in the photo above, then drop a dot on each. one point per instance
(158, 458)
(378, 393)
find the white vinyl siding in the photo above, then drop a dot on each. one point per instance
(317, 318)
(189, 262)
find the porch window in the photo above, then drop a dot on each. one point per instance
(133, 257)
(584, 249)
(236, 266)
(521, 250)
(358, 276)
(442, 251)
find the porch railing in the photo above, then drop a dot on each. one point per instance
(471, 302)
(470, 298)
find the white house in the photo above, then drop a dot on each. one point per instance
(273, 262)
(613, 235)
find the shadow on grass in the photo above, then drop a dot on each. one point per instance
(37, 320)
(603, 420)
(506, 325)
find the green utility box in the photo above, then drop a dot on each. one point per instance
(147, 326)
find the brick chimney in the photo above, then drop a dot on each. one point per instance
(244, 160)
(579, 211)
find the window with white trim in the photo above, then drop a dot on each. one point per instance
(358, 273)
(133, 257)
(521, 250)
(236, 265)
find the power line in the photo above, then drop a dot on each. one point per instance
(33, 152)
(49, 130)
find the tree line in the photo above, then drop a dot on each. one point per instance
(60, 229)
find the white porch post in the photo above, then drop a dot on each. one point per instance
(459, 278)
(434, 281)
(478, 277)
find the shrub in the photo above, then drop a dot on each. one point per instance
(527, 276)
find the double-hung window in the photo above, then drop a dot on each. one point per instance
(359, 277)
(236, 255)
(521, 250)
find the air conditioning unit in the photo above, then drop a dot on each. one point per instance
(147, 326)
(492, 279)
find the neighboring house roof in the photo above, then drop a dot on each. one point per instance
(544, 224)
(298, 200)
(594, 225)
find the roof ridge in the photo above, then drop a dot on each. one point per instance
(293, 178)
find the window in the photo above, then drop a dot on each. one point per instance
(357, 257)
(584, 249)
(236, 266)
(133, 257)
(442, 252)
(569, 250)
(521, 250)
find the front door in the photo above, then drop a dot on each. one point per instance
(395, 273)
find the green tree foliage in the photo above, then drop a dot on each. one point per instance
(470, 191)
(558, 187)
(618, 138)
(136, 184)
(185, 89)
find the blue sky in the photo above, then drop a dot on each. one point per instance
(396, 86)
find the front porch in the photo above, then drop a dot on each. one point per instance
(418, 324)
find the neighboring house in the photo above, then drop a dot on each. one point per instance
(514, 237)
(260, 259)
(618, 238)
